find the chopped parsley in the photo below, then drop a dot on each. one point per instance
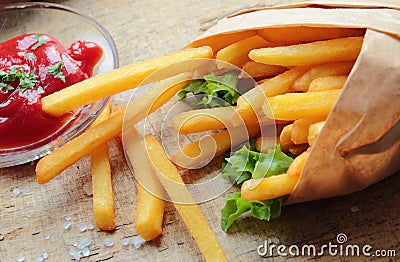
(27, 55)
(26, 81)
(41, 39)
(55, 71)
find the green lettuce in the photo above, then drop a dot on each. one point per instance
(213, 90)
(245, 164)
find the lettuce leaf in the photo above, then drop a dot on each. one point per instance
(245, 164)
(213, 90)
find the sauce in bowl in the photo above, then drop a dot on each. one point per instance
(33, 66)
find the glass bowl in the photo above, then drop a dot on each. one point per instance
(66, 25)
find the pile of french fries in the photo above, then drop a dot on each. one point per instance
(300, 72)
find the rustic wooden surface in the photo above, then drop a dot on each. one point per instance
(32, 222)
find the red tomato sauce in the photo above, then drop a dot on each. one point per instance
(31, 67)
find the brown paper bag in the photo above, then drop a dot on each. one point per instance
(360, 143)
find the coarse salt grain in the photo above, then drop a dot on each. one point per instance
(16, 192)
(108, 242)
(1, 238)
(355, 209)
(39, 259)
(85, 242)
(45, 255)
(90, 227)
(82, 227)
(47, 237)
(88, 189)
(67, 224)
(86, 252)
(76, 255)
(125, 241)
(21, 258)
(138, 241)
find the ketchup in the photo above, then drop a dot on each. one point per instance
(33, 66)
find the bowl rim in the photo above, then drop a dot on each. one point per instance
(27, 153)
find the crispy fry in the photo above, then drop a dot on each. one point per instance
(51, 165)
(268, 188)
(313, 132)
(297, 165)
(285, 138)
(302, 34)
(116, 81)
(328, 51)
(209, 146)
(220, 41)
(298, 149)
(183, 202)
(103, 197)
(292, 106)
(150, 204)
(327, 83)
(259, 70)
(330, 69)
(237, 53)
(299, 134)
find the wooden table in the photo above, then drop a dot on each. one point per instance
(32, 222)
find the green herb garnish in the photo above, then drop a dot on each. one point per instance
(41, 39)
(27, 55)
(26, 81)
(55, 71)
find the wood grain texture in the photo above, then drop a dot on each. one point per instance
(32, 222)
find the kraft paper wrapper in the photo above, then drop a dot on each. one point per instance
(360, 143)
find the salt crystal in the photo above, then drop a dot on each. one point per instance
(28, 215)
(21, 258)
(39, 259)
(15, 192)
(90, 227)
(88, 189)
(108, 242)
(67, 218)
(82, 227)
(355, 209)
(273, 240)
(75, 254)
(67, 224)
(1, 238)
(45, 255)
(86, 252)
(86, 241)
(125, 241)
(138, 241)
(53, 240)
(47, 237)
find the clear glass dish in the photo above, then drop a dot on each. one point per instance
(66, 25)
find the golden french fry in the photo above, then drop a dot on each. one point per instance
(150, 204)
(209, 146)
(297, 165)
(292, 106)
(313, 132)
(299, 134)
(328, 51)
(200, 120)
(183, 202)
(251, 101)
(285, 138)
(259, 70)
(330, 69)
(302, 34)
(327, 83)
(237, 53)
(51, 165)
(116, 81)
(220, 41)
(103, 198)
(268, 188)
(298, 149)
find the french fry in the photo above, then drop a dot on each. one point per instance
(150, 204)
(327, 83)
(330, 69)
(103, 197)
(285, 138)
(297, 165)
(251, 101)
(313, 132)
(51, 165)
(209, 146)
(268, 188)
(237, 53)
(327, 51)
(116, 81)
(220, 41)
(259, 70)
(200, 120)
(302, 34)
(298, 149)
(183, 202)
(299, 134)
(292, 106)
